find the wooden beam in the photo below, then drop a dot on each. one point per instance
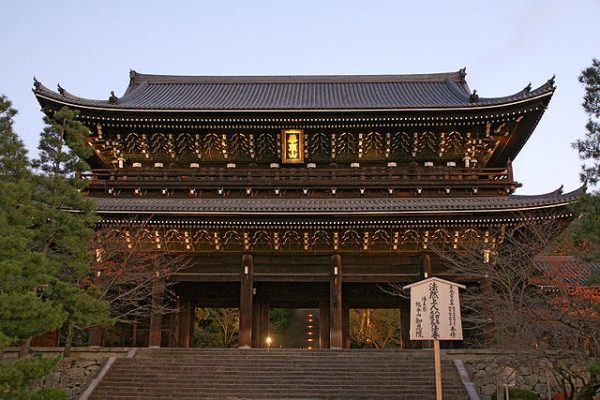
(335, 303)
(246, 294)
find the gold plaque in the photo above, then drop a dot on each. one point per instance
(292, 146)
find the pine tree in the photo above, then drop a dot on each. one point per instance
(24, 277)
(589, 147)
(64, 226)
(25, 310)
(585, 232)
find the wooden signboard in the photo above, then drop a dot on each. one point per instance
(435, 310)
(435, 315)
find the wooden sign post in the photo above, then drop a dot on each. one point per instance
(435, 315)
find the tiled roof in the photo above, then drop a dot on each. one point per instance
(333, 206)
(301, 93)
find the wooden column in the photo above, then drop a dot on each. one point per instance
(488, 327)
(324, 324)
(257, 333)
(260, 316)
(192, 322)
(405, 323)
(345, 325)
(156, 316)
(427, 265)
(95, 336)
(335, 303)
(427, 271)
(263, 320)
(185, 319)
(246, 284)
(134, 333)
(174, 327)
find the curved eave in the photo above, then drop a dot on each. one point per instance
(98, 106)
(432, 207)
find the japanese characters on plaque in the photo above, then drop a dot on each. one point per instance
(435, 310)
(292, 146)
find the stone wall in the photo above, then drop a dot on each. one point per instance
(72, 374)
(488, 370)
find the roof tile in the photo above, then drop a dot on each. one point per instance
(261, 93)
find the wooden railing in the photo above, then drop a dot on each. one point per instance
(298, 178)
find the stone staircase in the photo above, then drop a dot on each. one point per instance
(277, 374)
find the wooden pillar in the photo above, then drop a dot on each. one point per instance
(246, 294)
(335, 303)
(405, 323)
(488, 327)
(257, 333)
(192, 322)
(185, 322)
(427, 271)
(154, 337)
(324, 324)
(260, 316)
(345, 325)
(95, 336)
(134, 333)
(174, 327)
(264, 321)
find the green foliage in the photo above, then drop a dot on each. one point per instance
(62, 147)
(17, 378)
(280, 318)
(217, 327)
(50, 394)
(519, 394)
(585, 230)
(25, 314)
(592, 386)
(375, 328)
(24, 275)
(595, 370)
(589, 147)
(13, 156)
(64, 225)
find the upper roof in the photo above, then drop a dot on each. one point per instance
(298, 93)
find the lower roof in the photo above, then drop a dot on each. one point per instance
(276, 206)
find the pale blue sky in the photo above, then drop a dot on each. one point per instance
(89, 46)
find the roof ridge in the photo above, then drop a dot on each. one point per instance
(136, 78)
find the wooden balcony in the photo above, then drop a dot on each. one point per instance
(402, 180)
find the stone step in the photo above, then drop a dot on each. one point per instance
(248, 396)
(263, 374)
